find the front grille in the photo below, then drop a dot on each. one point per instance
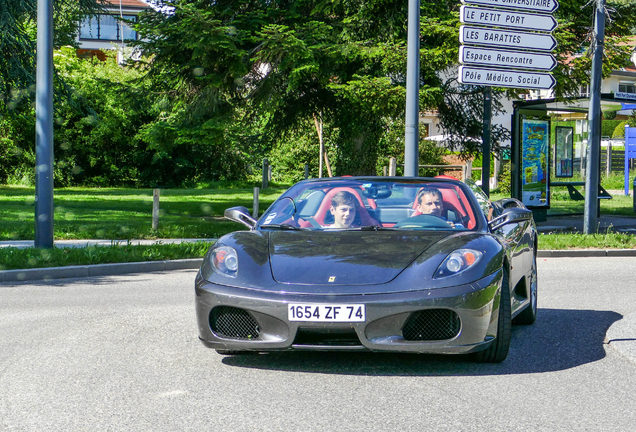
(431, 325)
(235, 323)
(327, 337)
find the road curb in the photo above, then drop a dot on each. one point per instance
(585, 253)
(51, 273)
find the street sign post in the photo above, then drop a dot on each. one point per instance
(493, 54)
(505, 78)
(546, 6)
(507, 18)
(506, 39)
(506, 59)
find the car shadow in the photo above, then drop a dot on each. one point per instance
(560, 339)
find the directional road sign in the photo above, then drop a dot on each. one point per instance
(506, 39)
(505, 78)
(510, 19)
(504, 58)
(548, 6)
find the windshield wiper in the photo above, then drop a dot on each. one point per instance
(282, 227)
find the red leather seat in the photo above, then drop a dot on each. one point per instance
(365, 217)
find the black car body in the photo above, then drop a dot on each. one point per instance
(391, 281)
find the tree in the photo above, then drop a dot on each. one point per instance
(279, 63)
(17, 76)
(18, 37)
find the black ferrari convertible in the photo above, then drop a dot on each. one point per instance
(421, 265)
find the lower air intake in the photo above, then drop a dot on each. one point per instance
(431, 325)
(234, 323)
(327, 337)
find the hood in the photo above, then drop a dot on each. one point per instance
(345, 257)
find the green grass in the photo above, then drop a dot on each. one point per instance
(91, 213)
(610, 240)
(13, 258)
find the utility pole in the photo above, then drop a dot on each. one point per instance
(412, 118)
(590, 217)
(44, 127)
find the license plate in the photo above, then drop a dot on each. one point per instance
(326, 313)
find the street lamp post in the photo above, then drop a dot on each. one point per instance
(590, 216)
(44, 127)
(412, 117)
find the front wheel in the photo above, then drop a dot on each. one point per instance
(498, 350)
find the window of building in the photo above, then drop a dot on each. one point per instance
(426, 129)
(107, 27)
(627, 88)
(585, 90)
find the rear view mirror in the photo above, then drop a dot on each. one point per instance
(241, 214)
(510, 215)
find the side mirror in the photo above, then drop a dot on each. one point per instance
(510, 215)
(241, 215)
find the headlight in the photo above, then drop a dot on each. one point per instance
(457, 262)
(225, 261)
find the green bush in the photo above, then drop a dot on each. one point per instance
(619, 130)
(609, 115)
(503, 179)
(608, 127)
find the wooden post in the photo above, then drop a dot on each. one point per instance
(255, 204)
(306, 171)
(392, 167)
(265, 172)
(155, 209)
(384, 171)
(320, 143)
(328, 165)
(608, 161)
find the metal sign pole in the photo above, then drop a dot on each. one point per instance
(411, 129)
(485, 164)
(590, 216)
(44, 127)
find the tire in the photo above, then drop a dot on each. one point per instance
(529, 315)
(498, 350)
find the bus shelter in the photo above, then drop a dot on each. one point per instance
(549, 149)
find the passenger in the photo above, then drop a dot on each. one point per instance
(344, 209)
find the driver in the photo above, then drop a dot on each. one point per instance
(343, 208)
(429, 202)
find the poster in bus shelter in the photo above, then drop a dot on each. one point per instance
(535, 145)
(563, 151)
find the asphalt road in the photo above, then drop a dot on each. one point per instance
(121, 353)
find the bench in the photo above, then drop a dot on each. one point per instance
(575, 195)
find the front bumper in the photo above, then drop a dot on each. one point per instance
(475, 304)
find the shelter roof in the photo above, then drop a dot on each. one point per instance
(580, 104)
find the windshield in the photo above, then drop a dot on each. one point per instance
(375, 203)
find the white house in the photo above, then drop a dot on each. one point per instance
(105, 31)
